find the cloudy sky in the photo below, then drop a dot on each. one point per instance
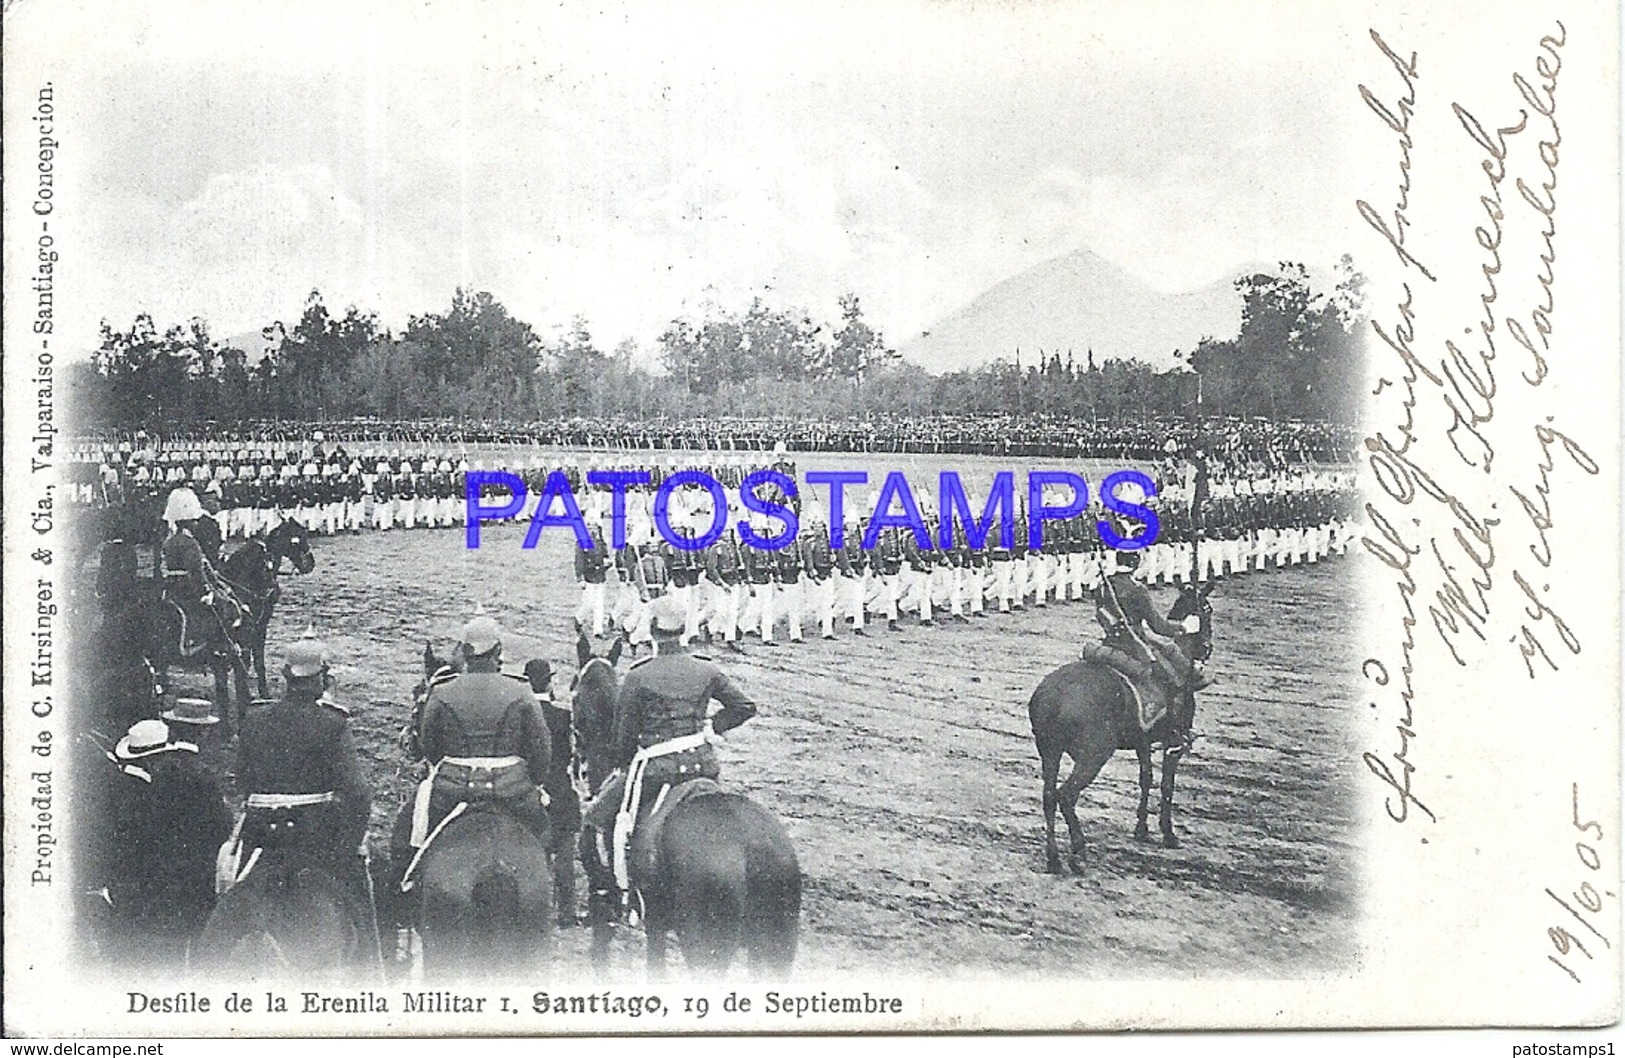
(630, 163)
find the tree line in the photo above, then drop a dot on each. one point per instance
(1294, 356)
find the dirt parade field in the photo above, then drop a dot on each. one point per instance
(903, 767)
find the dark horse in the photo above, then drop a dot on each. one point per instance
(290, 918)
(729, 878)
(484, 887)
(485, 898)
(1084, 710)
(139, 622)
(252, 572)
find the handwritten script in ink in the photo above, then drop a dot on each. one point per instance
(1451, 508)
(1574, 932)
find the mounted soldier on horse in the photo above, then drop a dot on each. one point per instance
(713, 866)
(472, 843)
(295, 885)
(1136, 690)
(207, 610)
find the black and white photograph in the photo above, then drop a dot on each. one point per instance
(704, 518)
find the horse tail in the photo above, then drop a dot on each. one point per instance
(716, 904)
(494, 903)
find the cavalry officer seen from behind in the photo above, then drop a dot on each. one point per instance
(661, 712)
(485, 738)
(306, 797)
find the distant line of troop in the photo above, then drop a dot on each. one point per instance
(731, 589)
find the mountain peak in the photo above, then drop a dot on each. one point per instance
(1077, 301)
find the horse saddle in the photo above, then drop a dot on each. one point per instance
(268, 841)
(1152, 695)
(638, 844)
(643, 844)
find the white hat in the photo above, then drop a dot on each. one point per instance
(182, 506)
(148, 738)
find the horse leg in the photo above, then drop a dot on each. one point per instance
(261, 627)
(1143, 752)
(1086, 764)
(564, 883)
(222, 696)
(654, 929)
(1051, 763)
(602, 899)
(773, 924)
(1170, 761)
(602, 933)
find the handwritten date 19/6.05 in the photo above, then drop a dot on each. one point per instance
(1583, 904)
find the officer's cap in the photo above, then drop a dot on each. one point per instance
(667, 616)
(481, 635)
(306, 657)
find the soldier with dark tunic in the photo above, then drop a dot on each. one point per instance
(485, 738)
(663, 706)
(298, 762)
(306, 800)
(818, 561)
(853, 561)
(1140, 642)
(725, 573)
(592, 571)
(760, 569)
(188, 579)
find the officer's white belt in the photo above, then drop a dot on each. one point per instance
(632, 792)
(491, 763)
(670, 746)
(288, 800)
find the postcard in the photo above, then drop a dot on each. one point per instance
(639, 518)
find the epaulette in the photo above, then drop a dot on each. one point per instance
(445, 674)
(641, 661)
(342, 710)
